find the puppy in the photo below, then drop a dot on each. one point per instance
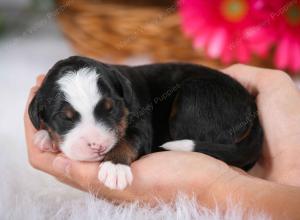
(92, 111)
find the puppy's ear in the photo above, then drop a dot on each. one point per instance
(125, 89)
(35, 109)
(121, 84)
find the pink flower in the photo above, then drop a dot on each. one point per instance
(226, 29)
(285, 26)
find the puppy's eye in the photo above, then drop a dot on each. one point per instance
(108, 104)
(69, 114)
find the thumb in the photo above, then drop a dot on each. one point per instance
(81, 173)
(246, 75)
(62, 165)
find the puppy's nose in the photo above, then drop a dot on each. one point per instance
(95, 145)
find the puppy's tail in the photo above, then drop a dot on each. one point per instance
(231, 154)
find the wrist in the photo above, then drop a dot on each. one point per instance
(257, 195)
(283, 170)
(288, 175)
(219, 190)
(228, 186)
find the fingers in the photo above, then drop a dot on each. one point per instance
(85, 171)
(29, 128)
(61, 166)
(39, 79)
(246, 75)
(69, 182)
(38, 159)
(32, 93)
(256, 79)
(83, 175)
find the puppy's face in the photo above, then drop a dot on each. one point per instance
(82, 111)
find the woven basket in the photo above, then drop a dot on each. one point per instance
(116, 31)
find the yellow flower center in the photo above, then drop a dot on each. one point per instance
(234, 10)
(293, 15)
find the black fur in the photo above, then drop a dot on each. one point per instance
(166, 102)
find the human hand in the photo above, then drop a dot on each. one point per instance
(161, 175)
(158, 175)
(278, 102)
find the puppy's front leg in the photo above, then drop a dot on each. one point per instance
(115, 171)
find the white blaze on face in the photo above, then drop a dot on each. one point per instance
(89, 139)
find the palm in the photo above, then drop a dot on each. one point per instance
(166, 172)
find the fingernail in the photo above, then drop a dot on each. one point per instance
(61, 165)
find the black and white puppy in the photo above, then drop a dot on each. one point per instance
(92, 111)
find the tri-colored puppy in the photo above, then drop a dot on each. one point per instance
(92, 111)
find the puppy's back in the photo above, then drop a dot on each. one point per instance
(220, 116)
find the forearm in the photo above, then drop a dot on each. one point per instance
(253, 194)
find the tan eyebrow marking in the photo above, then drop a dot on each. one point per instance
(69, 112)
(108, 103)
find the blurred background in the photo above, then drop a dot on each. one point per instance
(34, 34)
(27, 48)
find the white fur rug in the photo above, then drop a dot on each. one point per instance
(29, 194)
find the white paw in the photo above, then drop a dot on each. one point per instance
(42, 140)
(115, 176)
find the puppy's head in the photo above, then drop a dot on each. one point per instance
(84, 106)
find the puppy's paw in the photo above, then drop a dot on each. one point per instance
(43, 141)
(115, 176)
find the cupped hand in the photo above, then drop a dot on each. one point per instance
(161, 175)
(278, 102)
(155, 176)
